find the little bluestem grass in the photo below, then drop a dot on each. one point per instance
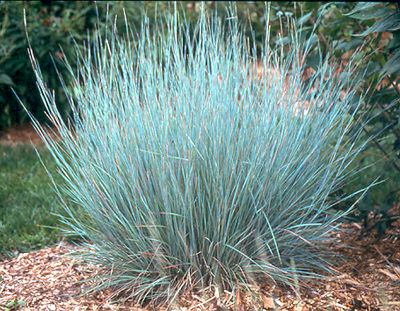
(190, 169)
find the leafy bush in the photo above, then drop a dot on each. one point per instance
(192, 168)
(382, 53)
(367, 31)
(49, 28)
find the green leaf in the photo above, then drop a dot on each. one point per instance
(395, 42)
(361, 6)
(372, 68)
(313, 60)
(378, 13)
(350, 45)
(391, 23)
(5, 79)
(322, 8)
(365, 204)
(283, 41)
(392, 65)
(304, 19)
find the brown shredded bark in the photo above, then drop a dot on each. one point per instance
(369, 279)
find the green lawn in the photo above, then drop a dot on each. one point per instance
(27, 201)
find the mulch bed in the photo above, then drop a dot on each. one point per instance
(20, 134)
(369, 280)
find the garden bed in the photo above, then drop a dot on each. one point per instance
(20, 135)
(368, 280)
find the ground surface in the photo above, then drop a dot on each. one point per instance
(368, 280)
(19, 135)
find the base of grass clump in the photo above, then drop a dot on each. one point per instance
(192, 172)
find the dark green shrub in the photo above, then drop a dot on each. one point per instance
(381, 48)
(53, 27)
(49, 27)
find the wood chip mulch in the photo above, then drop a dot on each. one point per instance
(368, 280)
(21, 135)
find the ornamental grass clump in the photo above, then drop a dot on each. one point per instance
(188, 168)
